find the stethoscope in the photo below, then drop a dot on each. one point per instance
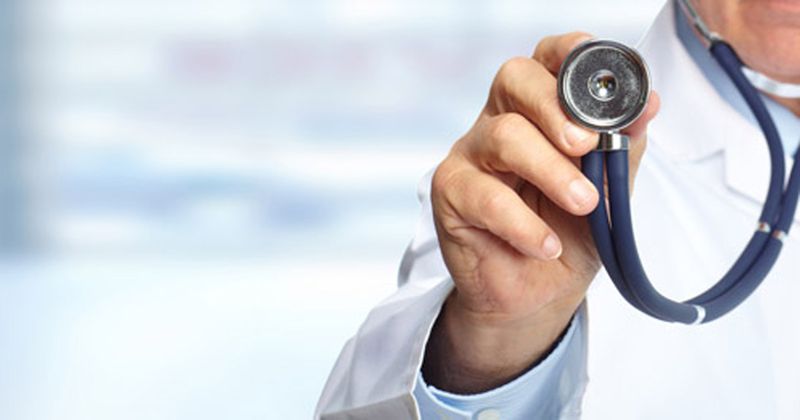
(604, 86)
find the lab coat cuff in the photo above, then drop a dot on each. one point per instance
(551, 389)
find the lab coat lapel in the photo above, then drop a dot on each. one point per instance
(747, 168)
(685, 95)
(709, 124)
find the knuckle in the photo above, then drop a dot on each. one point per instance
(506, 127)
(506, 158)
(447, 184)
(495, 205)
(442, 178)
(509, 70)
(542, 46)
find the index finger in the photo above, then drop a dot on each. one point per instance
(552, 50)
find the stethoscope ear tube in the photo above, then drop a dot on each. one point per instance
(617, 247)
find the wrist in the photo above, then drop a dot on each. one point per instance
(471, 352)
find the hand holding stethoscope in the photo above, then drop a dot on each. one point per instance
(509, 205)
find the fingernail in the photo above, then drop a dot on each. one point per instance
(576, 136)
(581, 191)
(551, 247)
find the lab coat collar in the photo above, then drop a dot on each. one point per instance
(686, 96)
(708, 123)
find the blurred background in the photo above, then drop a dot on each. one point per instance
(200, 200)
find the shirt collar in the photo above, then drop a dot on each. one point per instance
(787, 123)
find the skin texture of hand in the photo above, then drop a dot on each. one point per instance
(508, 204)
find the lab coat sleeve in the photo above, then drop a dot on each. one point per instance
(377, 371)
(551, 390)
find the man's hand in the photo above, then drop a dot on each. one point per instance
(508, 203)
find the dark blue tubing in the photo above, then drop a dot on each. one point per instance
(592, 165)
(617, 247)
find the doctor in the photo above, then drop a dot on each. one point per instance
(501, 291)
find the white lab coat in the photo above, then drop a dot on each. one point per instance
(697, 200)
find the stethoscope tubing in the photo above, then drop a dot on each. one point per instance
(617, 247)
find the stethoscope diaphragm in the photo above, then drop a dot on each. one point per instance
(604, 85)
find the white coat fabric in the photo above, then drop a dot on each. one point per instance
(696, 204)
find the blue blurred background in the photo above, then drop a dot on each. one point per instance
(200, 200)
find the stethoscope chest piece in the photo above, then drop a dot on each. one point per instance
(604, 85)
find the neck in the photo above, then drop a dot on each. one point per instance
(792, 104)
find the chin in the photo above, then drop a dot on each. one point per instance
(771, 12)
(770, 45)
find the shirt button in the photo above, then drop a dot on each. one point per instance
(488, 414)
